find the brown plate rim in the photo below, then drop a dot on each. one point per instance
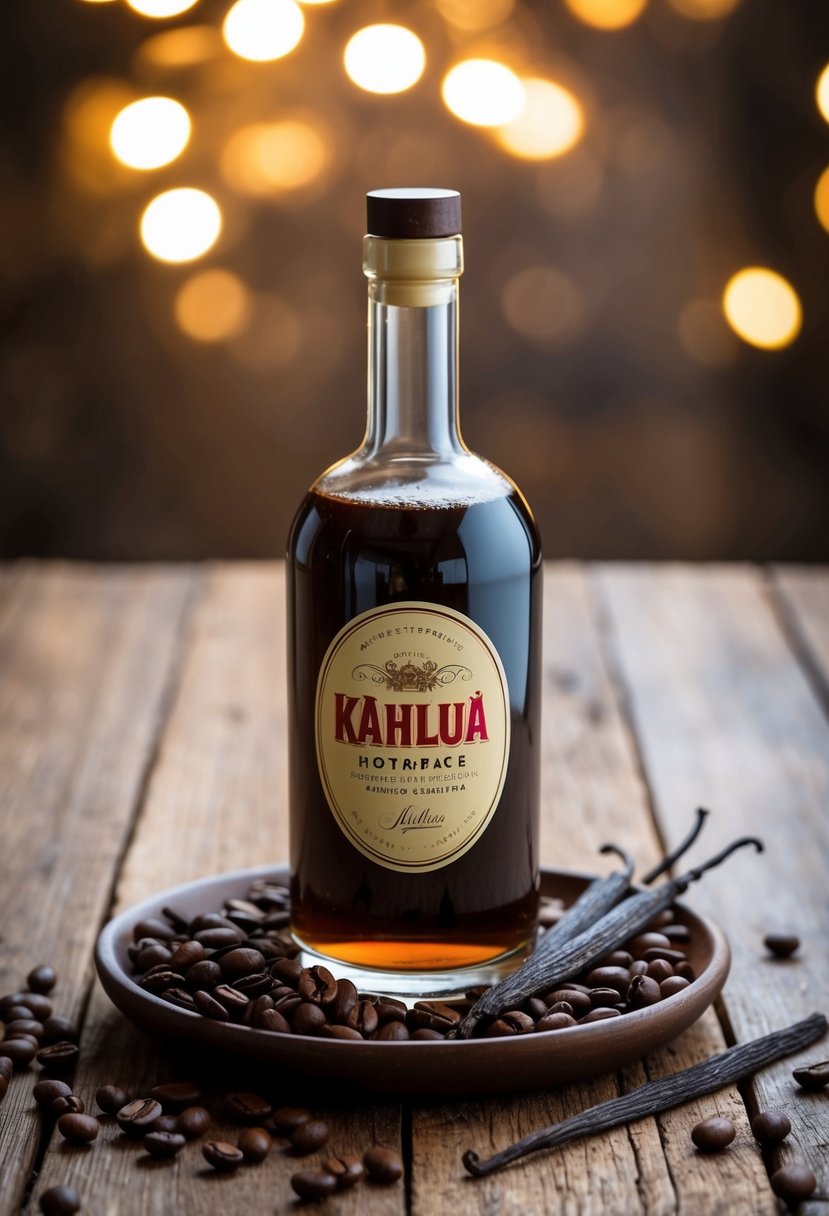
(437, 1067)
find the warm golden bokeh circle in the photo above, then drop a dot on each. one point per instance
(483, 92)
(150, 132)
(762, 308)
(384, 58)
(180, 225)
(607, 14)
(550, 124)
(212, 306)
(263, 30)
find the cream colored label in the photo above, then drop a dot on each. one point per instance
(412, 731)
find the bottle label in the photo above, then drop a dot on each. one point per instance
(412, 733)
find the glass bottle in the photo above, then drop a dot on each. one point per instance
(414, 601)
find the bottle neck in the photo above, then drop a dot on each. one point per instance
(413, 349)
(413, 378)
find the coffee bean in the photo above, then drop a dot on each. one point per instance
(187, 955)
(383, 1165)
(389, 1032)
(346, 1171)
(163, 1144)
(616, 978)
(247, 1108)
(660, 970)
(209, 920)
(781, 945)
(20, 1051)
(661, 919)
(181, 998)
(510, 1023)
(671, 986)
(643, 991)
(663, 954)
(647, 941)
(137, 1117)
(60, 1201)
(60, 1030)
(151, 956)
(27, 1026)
(555, 1021)
(390, 1010)
(640, 967)
(45, 1092)
(346, 1032)
(243, 961)
(165, 1123)
(204, 975)
(686, 972)
(160, 979)
(255, 986)
(287, 971)
(18, 1013)
(272, 1019)
(363, 1017)
(68, 1104)
(793, 1182)
(600, 1015)
(344, 1001)
(152, 927)
(209, 1007)
(309, 1136)
(714, 1134)
(111, 1099)
(193, 1122)
(677, 933)
(176, 1095)
(317, 984)
(255, 1144)
(287, 1119)
(223, 1156)
(423, 1033)
(6, 1068)
(215, 939)
(579, 1002)
(813, 1076)
(604, 998)
(9, 1001)
(78, 1128)
(309, 1018)
(234, 1002)
(39, 1004)
(770, 1127)
(535, 1007)
(432, 1015)
(286, 1002)
(313, 1185)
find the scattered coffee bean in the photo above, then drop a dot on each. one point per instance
(223, 1156)
(255, 1144)
(770, 1127)
(60, 1030)
(137, 1117)
(68, 1104)
(9, 1001)
(313, 1185)
(45, 1092)
(78, 1128)
(60, 1201)
(58, 1057)
(713, 1134)
(781, 945)
(39, 1004)
(165, 1123)
(383, 1165)
(25, 1026)
(247, 1108)
(793, 1182)
(287, 1119)
(110, 1099)
(811, 1076)
(163, 1144)
(310, 1136)
(20, 1051)
(193, 1122)
(18, 1013)
(346, 1171)
(176, 1095)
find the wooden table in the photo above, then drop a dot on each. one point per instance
(143, 744)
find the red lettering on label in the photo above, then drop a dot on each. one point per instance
(344, 707)
(476, 727)
(393, 724)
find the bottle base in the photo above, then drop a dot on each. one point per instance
(410, 986)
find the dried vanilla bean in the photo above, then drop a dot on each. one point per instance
(597, 899)
(671, 858)
(734, 1064)
(541, 973)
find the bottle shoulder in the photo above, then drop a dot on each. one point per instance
(456, 480)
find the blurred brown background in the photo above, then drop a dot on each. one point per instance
(150, 412)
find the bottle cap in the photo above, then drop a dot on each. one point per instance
(413, 213)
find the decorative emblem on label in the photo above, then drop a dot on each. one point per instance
(412, 733)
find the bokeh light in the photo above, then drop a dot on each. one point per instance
(161, 8)
(705, 335)
(269, 158)
(704, 10)
(607, 14)
(180, 225)
(550, 123)
(822, 92)
(98, 1)
(212, 306)
(384, 58)
(483, 92)
(762, 308)
(263, 30)
(181, 48)
(544, 305)
(822, 199)
(150, 132)
(475, 14)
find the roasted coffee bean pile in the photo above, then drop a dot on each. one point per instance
(33, 1032)
(239, 965)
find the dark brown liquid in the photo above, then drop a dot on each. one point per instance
(483, 560)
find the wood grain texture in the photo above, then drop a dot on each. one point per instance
(215, 802)
(85, 662)
(726, 716)
(803, 595)
(592, 792)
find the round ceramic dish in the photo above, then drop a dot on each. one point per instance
(477, 1066)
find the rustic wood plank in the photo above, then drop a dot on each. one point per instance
(803, 595)
(726, 716)
(216, 802)
(86, 659)
(592, 792)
